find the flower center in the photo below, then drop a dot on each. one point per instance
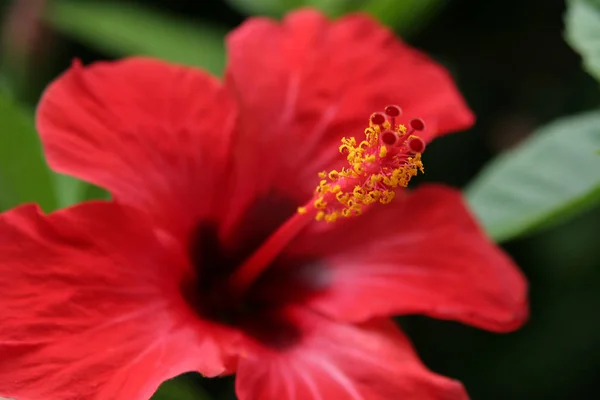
(260, 311)
(388, 157)
(249, 281)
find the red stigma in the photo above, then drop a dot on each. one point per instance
(393, 111)
(388, 138)
(378, 118)
(417, 124)
(416, 145)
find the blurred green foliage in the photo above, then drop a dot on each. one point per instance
(582, 22)
(125, 29)
(182, 388)
(21, 156)
(515, 71)
(406, 16)
(553, 175)
(24, 176)
(272, 8)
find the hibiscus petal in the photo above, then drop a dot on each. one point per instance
(91, 307)
(304, 84)
(424, 253)
(371, 361)
(152, 133)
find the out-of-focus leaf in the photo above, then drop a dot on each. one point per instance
(123, 29)
(68, 190)
(582, 22)
(271, 8)
(404, 16)
(180, 388)
(5, 87)
(71, 191)
(553, 175)
(24, 176)
(336, 8)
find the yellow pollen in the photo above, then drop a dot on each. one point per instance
(383, 151)
(375, 170)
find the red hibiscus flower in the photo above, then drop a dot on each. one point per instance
(217, 255)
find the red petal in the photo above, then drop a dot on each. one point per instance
(153, 133)
(304, 84)
(91, 308)
(422, 254)
(372, 361)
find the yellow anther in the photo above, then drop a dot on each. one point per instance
(383, 151)
(358, 192)
(302, 210)
(342, 197)
(376, 179)
(320, 203)
(331, 217)
(387, 197)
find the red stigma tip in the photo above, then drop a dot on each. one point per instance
(416, 145)
(378, 118)
(388, 138)
(417, 124)
(393, 111)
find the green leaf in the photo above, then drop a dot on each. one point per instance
(553, 175)
(406, 16)
(71, 191)
(271, 8)
(180, 388)
(24, 175)
(582, 22)
(123, 29)
(335, 8)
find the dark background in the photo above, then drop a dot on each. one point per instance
(517, 73)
